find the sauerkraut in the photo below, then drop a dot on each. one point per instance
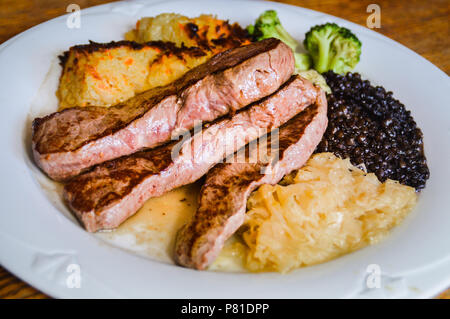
(328, 208)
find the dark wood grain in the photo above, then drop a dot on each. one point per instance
(422, 26)
(12, 287)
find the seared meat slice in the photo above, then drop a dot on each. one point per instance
(113, 191)
(223, 198)
(66, 143)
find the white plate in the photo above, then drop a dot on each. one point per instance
(38, 242)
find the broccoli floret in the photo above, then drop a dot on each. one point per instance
(268, 25)
(332, 48)
(303, 62)
(316, 78)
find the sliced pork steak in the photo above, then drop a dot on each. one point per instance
(66, 143)
(223, 198)
(113, 191)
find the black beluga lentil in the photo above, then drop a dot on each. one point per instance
(369, 126)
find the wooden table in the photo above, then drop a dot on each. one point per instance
(423, 26)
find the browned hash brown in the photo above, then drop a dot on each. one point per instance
(107, 74)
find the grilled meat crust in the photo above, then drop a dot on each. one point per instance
(223, 197)
(68, 142)
(113, 191)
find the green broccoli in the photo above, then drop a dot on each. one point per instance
(268, 25)
(332, 48)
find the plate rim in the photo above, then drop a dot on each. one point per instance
(57, 292)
